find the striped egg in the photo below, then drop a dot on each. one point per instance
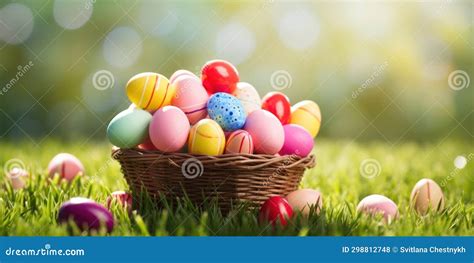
(206, 137)
(308, 115)
(191, 97)
(149, 91)
(427, 196)
(180, 73)
(239, 141)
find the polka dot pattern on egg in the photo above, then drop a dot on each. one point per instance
(227, 111)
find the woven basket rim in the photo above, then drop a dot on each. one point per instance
(251, 161)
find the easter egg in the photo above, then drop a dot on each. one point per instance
(276, 210)
(378, 204)
(18, 177)
(305, 200)
(149, 91)
(191, 98)
(86, 214)
(307, 114)
(219, 76)
(129, 128)
(298, 141)
(278, 104)
(169, 129)
(227, 111)
(266, 130)
(207, 138)
(66, 165)
(239, 141)
(122, 198)
(248, 96)
(181, 72)
(427, 196)
(147, 145)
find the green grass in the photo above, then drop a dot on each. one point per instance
(33, 210)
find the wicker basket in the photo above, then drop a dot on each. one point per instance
(250, 178)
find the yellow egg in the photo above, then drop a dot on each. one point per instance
(308, 115)
(149, 91)
(206, 137)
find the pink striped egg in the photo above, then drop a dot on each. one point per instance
(66, 165)
(378, 204)
(191, 97)
(181, 72)
(239, 141)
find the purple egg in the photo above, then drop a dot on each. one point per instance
(297, 141)
(86, 213)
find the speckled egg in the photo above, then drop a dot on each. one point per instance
(227, 111)
(248, 96)
(129, 128)
(190, 97)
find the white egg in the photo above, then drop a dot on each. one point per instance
(249, 97)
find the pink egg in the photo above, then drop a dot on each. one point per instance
(169, 129)
(378, 204)
(121, 197)
(239, 141)
(190, 97)
(266, 131)
(18, 177)
(66, 165)
(181, 72)
(303, 200)
(298, 141)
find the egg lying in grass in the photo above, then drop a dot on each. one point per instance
(129, 128)
(427, 196)
(378, 204)
(86, 214)
(227, 111)
(298, 141)
(66, 165)
(276, 210)
(248, 96)
(307, 114)
(305, 200)
(122, 198)
(207, 138)
(169, 129)
(18, 177)
(266, 131)
(191, 98)
(239, 141)
(149, 91)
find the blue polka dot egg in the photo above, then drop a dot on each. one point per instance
(226, 110)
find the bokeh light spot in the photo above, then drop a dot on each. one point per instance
(16, 23)
(72, 14)
(122, 47)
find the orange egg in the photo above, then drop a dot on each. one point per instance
(303, 200)
(239, 141)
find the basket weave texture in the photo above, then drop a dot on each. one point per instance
(250, 178)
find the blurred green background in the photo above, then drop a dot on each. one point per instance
(390, 71)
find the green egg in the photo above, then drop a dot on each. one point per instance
(129, 128)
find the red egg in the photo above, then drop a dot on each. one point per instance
(278, 104)
(276, 210)
(121, 197)
(219, 76)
